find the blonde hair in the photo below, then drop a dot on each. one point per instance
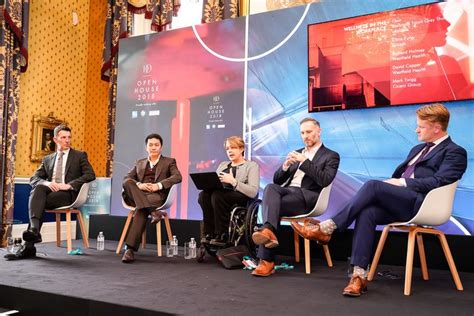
(434, 113)
(235, 141)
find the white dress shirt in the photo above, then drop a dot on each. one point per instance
(299, 174)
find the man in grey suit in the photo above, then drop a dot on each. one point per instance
(296, 188)
(55, 183)
(146, 187)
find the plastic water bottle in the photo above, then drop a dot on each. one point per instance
(10, 244)
(192, 248)
(100, 242)
(175, 246)
(350, 268)
(16, 244)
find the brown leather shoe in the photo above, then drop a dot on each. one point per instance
(128, 256)
(356, 286)
(156, 216)
(265, 237)
(311, 230)
(264, 268)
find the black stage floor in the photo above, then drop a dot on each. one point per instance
(97, 283)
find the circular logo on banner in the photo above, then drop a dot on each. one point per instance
(147, 68)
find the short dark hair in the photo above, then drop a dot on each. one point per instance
(59, 128)
(156, 136)
(310, 119)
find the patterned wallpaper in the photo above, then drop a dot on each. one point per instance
(63, 77)
(97, 99)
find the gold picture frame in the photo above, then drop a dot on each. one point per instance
(42, 143)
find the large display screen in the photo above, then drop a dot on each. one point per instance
(407, 56)
(170, 85)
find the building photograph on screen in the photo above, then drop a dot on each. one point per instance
(415, 55)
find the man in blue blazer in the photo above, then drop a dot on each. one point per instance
(55, 183)
(435, 163)
(296, 187)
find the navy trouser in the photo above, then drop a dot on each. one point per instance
(277, 202)
(376, 203)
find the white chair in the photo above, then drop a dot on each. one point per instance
(435, 210)
(68, 210)
(172, 194)
(319, 209)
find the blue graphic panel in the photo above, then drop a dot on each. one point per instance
(371, 142)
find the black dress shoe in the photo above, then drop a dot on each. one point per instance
(128, 256)
(23, 253)
(32, 235)
(220, 241)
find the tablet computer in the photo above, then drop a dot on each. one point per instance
(206, 181)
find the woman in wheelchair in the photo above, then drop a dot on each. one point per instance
(241, 180)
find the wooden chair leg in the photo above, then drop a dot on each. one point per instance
(144, 239)
(450, 260)
(409, 263)
(307, 258)
(158, 239)
(378, 253)
(296, 238)
(328, 255)
(68, 231)
(168, 227)
(58, 230)
(421, 252)
(124, 232)
(85, 238)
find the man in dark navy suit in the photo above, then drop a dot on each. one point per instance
(296, 187)
(435, 163)
(56, 183)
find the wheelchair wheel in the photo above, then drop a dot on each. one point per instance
(251, 224)
(237, 225)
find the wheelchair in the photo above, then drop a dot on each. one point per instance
(243, 222)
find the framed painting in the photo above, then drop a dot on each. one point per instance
(42, 143)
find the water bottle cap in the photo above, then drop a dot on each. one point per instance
(192, 238)
(174, 236)
(101, 232)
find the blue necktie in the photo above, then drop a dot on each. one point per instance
(411, 168)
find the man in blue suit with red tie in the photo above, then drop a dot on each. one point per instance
(435, 163)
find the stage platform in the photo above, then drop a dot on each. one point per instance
(98, 283)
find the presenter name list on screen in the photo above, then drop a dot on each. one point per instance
(391, 54)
